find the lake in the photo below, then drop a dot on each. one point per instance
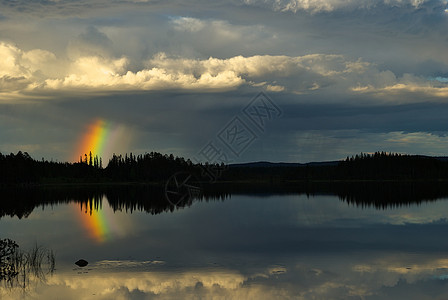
(260, 244)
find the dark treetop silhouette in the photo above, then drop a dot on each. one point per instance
(154, 167)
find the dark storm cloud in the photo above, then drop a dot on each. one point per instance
(410, 117)
(90, 43)
(396, 36)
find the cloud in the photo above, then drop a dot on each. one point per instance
(304, 278)
(275, 88)
(19, 69)
(387, 86)
(186, 285)
(214, 28)
(367, 54)
(312, 145)
(315, 6)
(75, 7)
(41, 70)
(36, 70)
(188, 24)
(93, 69)
(90, 43)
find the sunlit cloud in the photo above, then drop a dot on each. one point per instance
(40, 71)
(412, 270)
(185, 284)
(392, 88)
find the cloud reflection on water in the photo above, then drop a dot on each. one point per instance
(314, 279)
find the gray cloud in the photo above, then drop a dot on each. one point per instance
(316, 6)
(92, 42)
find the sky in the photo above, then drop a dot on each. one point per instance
(229, 80)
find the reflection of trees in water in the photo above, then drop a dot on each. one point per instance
(392, 194)
(152, 199)
(148, 198)
(18, 268)
(379, 194)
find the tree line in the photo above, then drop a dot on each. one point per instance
(21, 168)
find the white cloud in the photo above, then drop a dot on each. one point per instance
(40, 72)
(20, 68)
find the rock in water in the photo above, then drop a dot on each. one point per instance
(81, 263)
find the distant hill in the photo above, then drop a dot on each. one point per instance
(441, 158)
(267, 164)
(376, 166)
(264, 164)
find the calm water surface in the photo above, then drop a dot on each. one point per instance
(244, 247)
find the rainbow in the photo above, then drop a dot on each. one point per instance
(95, 223)
(102, 138)
(100, 222)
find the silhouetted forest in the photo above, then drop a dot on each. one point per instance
(22, 169)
